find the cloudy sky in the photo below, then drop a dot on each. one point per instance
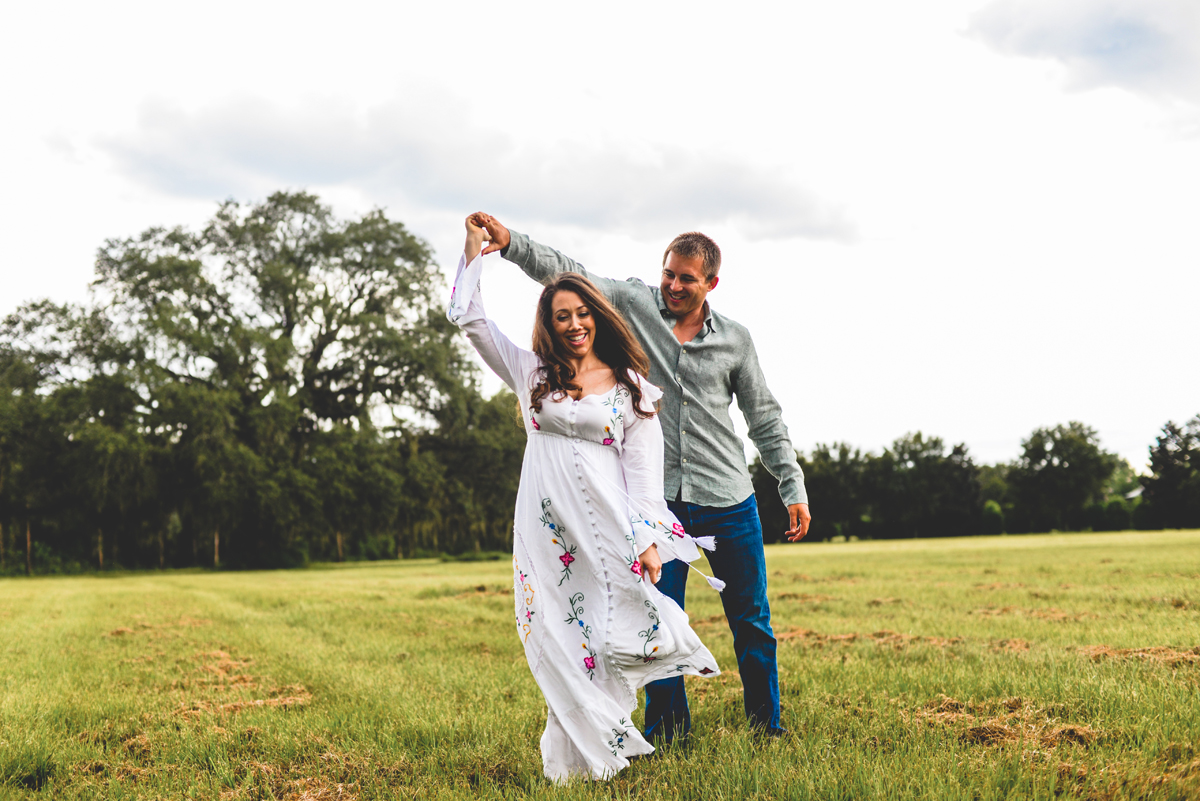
(965, 218)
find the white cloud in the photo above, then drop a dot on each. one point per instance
(433, 157)
(1145, 46)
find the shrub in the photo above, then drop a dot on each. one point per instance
(993, 518)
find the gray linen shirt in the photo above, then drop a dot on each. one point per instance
(704, 460)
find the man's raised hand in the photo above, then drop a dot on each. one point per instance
(799, 518)
(499, 234)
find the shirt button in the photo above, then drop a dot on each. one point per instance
(685, 460)
(682, 432)
(685, 403)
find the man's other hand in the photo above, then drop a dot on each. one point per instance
(499, 234)
(799, 518)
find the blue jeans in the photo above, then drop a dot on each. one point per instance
(739, 562)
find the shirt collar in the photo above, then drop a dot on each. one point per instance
(665, 312)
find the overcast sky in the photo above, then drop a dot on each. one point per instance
(965, 218)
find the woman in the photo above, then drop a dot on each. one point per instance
(591, 527)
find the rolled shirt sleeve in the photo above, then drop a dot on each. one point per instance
(767, 429)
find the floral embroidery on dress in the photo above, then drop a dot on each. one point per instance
(523, 589)
(632, 560)
(650, 635)
(559, 539)
(576, 616)
(613, 402)
(533, 422)
(453, 314)
(674, 530)
(617, 743)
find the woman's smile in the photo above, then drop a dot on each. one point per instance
(573, 322)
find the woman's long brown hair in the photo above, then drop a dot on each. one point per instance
(614, 344)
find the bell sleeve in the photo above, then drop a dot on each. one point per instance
(513, 364)
(642, 462)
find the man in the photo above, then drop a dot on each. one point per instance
(701, 359)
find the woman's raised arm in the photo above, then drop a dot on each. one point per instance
(512, 363)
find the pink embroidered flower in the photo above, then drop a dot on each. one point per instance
(566, 559)
(607, 441)
(533, 422)
(589, 662)
(705, 671)
(678, 529)
(636, 567)
(528, 615)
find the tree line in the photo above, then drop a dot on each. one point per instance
(282, 386)
(1063, 481)
(279, 387)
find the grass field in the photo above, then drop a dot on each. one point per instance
(1027, 666)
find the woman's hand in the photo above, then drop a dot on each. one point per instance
(476, 236)
(498, 235)
(651, 564)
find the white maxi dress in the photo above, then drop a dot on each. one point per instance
(590, 501)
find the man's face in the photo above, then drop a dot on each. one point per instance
(684, 286)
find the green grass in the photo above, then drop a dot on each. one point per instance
(969, 676)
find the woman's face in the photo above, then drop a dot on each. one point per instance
(573, 323)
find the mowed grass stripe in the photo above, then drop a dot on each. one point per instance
(1040, 666)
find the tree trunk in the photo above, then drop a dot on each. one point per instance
(216, 546)
(28, 548)
(341, 558)
(161, 548)
(100, 546)
(1, 546)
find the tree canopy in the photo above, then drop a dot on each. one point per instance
(275, 387)
(1172, 490)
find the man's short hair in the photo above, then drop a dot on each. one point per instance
(696, 245)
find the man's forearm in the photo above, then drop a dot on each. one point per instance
(780, 461)
(768, 432)
(770, 437)
(538, 261)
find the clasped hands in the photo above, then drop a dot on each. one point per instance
(497, 234)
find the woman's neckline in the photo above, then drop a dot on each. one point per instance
(593, 394)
